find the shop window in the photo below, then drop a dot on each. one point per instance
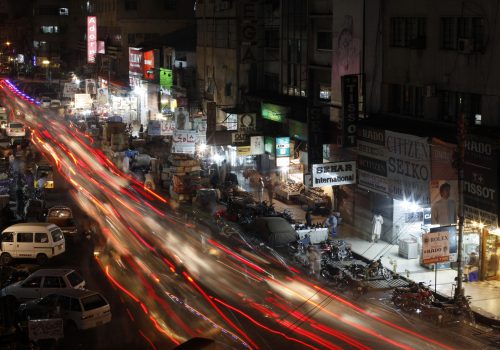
(324, 40)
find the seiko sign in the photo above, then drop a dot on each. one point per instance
(334, 174)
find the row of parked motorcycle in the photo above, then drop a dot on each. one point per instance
(419, 298)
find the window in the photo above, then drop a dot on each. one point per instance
(52, 282)
(130, 5)
(57, 235)
(453, 103)
(406, 100)
(74, 279)
(7, 237)
(75, 305)
(49, 300)
(272, 38)
(93, 302)
(34, 282)
(462, 33)
(271, 82)
(324, 40)
(64, 302)
(24, 237)
(169, 4)
(325, 92)
(63, 11)
(409, 32)
(41, 237)
(49, 29)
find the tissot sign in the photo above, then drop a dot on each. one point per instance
(334, 174)
(91, 38)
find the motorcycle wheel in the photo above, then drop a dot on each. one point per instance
(387, 274)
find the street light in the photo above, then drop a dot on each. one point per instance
(46, 63)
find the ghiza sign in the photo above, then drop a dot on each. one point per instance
(350, 109)
(334, 174)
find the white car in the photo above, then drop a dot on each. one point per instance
(42, 283)
(45, 102)
(79, 308)
(15, 129)
(55, 104)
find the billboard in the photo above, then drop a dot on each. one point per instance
(334, 174)
(282, 147)
(435, 247)
(246, 122)
(273, 112)
(91, 38)
(149, 65)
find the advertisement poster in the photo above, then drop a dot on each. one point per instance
(452, 240)
(481, 180)
(334, 174)
(444, 202)
(83, 101)
(184, 141)
(408, 167)
(154, 128)
(148, 65)
(182, 119)
(257, 145)
(90, 86)
(166, 78)
(70, 89)
(435, 247)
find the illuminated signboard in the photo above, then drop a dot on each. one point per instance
(282, 147)
(166, 78)
(148, 65)
(274, 112)
(91, 38)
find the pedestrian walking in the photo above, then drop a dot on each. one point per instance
(308, 217)
(331, 222)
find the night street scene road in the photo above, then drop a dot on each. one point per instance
(249, 174)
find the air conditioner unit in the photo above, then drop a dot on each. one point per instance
(430, 91)
(465, 45)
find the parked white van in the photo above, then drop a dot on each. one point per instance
(31, 240)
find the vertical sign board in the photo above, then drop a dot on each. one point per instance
(248, 30)
(282, 147)
(435, 247)
(166, 78)
(315, 137)
(134, 66)
(350, 109)
(149, 65)
(91, 38)
(257, 145)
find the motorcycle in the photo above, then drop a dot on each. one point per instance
(298, 250)
(373, 270)
(412, 297)
(336, 250)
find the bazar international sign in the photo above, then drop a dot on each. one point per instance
(435, 247)
(282, 147)
(91, 38)
(334, 174)
(274, 112)
(184, 141)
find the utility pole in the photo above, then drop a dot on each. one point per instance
(461, 132)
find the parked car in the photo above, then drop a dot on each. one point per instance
(35, 240)
(42, 283)
(80, 309)
(62, 216)
(275, 231)
(15, 129)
